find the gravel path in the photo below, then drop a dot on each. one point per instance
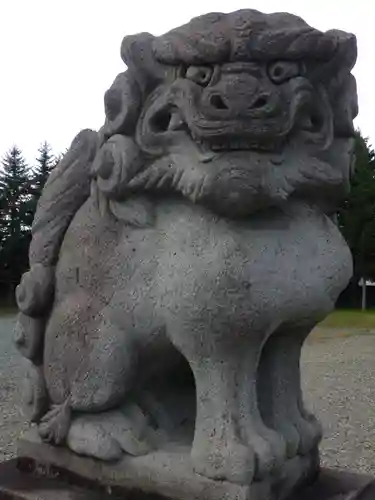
(339, 385)
(12, 421)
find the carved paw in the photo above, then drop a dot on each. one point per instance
(302, 433)
(274, 452)
(310, 431)
(231, 462)
(291, 437)
(34, 393)
(269, 450)
(54, 426)
(90, 439)
(108, 435)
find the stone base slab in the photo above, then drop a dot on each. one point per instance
(42, 483)
(161, 475)
(168, 474)
(17, 485)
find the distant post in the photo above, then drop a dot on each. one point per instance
(364, 294)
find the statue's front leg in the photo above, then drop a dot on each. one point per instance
(229, 441)
(280, 390)
(219, 450)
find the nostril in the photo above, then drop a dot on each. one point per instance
(217, 102)
(260, 102)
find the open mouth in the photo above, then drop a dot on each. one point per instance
(311, 122)
(170, 121)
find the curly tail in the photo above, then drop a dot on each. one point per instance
(66, 190)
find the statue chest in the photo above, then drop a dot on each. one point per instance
(280, 261)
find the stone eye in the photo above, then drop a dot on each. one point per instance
(199, 74)
(281, 71)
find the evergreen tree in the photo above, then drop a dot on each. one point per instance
(357, 216)
(16, 213)
(45, 163)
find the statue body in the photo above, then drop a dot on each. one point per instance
(186, 251)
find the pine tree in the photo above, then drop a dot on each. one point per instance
(357, 215)
(45, 163)
(16, 213)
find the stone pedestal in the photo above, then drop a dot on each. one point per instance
(44, 472)
(164, 474)
(26, 480)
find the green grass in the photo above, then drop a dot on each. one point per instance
(350, 318)
(7, 311)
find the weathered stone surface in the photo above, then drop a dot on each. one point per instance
(167, 473)
(182, 254)
(334, 484)
(38, 481)
(16, 485)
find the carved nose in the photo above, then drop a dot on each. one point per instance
(236, 93)
(220, 102)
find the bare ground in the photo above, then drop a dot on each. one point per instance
(339, 385)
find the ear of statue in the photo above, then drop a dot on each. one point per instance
(346, 54)
(115, 164)
(342, 61)
(137, 54)
(345, 106)
(122, 103)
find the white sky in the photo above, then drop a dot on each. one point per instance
(59, 56)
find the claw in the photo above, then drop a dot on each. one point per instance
(55, 424)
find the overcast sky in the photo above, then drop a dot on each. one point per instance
(58, 57)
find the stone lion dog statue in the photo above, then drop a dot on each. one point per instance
(182, 254)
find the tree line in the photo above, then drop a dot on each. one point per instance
(21, 186)
(357, 221)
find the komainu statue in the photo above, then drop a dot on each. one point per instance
(182, 254)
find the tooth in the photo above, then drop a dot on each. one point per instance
(207, 156)
(176, 122)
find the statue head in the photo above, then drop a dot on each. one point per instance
(235, 111)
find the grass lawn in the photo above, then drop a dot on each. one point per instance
(350, 318)
(7, 311)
